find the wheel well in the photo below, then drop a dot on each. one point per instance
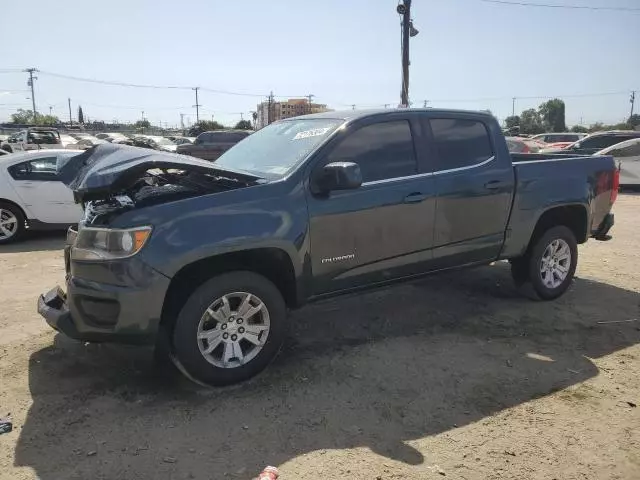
(572, 216)
(272, 263)
(24, 214)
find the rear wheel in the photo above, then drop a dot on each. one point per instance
(552, 262)
(11, 223)
(230, 328)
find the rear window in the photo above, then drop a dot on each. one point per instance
(460, 143)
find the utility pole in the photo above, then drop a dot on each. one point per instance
(50, 110)
(30, 84)
(513, 107)
(269, 107)
(408, 30)
(197, 105)
(424, 105)
(353, 106)
(182, 120)
(310, 97)
(632, 100)
(70, 118)
(241, 116)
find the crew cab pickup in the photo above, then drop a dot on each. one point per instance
(206, 258)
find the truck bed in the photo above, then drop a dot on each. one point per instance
(545, 180)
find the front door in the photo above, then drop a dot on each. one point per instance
(474, 191)
(383, 229)
(47, 198)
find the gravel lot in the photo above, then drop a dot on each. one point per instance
(457, 375)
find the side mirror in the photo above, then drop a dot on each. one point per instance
(338, 176)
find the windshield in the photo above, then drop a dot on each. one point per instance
(278, 148)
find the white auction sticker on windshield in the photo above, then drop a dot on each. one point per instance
(316, 132)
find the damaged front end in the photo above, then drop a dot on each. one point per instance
(109, 179)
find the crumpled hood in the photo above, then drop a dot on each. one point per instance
(109, 169)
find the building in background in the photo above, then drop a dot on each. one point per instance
(291, 108)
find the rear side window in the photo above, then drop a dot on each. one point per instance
(44, 169)
(604, 141)
(632, 150)
(460, 143)
(382, 150)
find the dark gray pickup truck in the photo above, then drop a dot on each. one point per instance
(206, 258)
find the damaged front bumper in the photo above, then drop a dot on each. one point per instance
(118, 301)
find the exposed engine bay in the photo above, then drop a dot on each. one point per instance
(157, 186)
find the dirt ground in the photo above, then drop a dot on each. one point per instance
(457, 376)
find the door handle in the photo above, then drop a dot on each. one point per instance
(415, 197)
(494, 185)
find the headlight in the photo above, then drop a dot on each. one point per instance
(109, 244)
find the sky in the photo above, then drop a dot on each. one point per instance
(469, 54)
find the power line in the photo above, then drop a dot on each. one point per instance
(551, 5)
(159, 87)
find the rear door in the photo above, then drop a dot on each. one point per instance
(47, 198)
(384, 229)
(474, 182)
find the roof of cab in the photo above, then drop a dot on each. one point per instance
(354, 114)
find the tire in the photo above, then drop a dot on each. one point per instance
(204, 314)
(566, 240)
(11, 213)
(7, 148)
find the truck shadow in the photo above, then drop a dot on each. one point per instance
(36, 242)
(375, 370)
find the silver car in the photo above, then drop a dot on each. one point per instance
(627, 155)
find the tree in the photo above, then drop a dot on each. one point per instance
(634, 120)
(552, 115)
(204, 126)
(47, 120)
(80, 115)
(579, 129)
(512, 121)
(142, 124)
(530, 122)
(22, 116)
(244, 125)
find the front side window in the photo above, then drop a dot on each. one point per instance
(460, 143)
(382, 150)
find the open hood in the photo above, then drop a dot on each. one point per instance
(109, 169)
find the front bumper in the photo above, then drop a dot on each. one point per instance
(603, 230)
(103, 312)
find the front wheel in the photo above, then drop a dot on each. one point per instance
(230, 328)
(552, 263)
